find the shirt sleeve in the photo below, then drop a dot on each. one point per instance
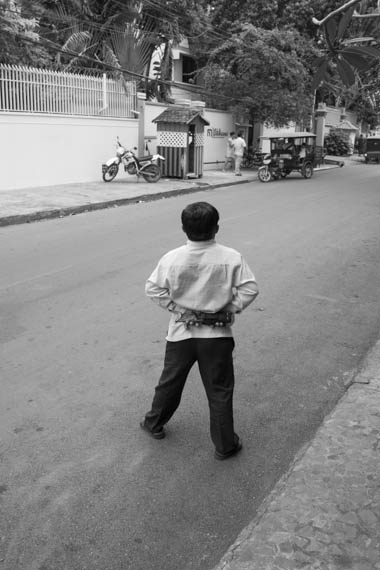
(157, 289)
(245, 289)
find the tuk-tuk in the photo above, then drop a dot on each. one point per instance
(372, 149)
(288, 152)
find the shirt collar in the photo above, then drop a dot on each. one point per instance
(200, 244)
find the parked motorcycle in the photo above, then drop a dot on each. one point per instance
(146, 166)
(252, 159)
(265, 172)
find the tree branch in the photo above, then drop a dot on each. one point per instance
(335, 12)
(374, 15)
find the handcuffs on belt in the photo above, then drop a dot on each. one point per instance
(196, 318)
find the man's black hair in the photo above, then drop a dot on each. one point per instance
(200, 221)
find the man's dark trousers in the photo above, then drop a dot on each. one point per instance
(214, 357)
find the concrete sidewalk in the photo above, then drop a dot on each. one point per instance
(33, 204)
(324, 514)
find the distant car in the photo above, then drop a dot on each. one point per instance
(289, 152)
(372, 149)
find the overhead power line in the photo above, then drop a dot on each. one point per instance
(62, 17)
(183, 86)
(170, 14)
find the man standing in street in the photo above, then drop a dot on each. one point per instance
(203, 285)
(239, 147)
(229, 162)
(361, 145)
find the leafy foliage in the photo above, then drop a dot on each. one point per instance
(256, 55)
(347, 58)
(348, 71)
(125, 35)
(336, 145)
(263, 71)
(17, 26)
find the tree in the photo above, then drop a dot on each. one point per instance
(261, 13)
(349, 68)
(345, 56)
(128, 36)
(19, 33)
(90, 28)
(274, 67)
(262, 71)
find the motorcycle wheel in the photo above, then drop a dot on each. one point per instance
(151, 173)
(307, 170)
(264, 174)
(111, 172)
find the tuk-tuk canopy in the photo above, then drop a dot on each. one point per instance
(285, 135)
(373, 143)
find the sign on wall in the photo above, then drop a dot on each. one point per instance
(216, 132)
(216, 135)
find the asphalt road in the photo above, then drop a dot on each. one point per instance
(81, 486)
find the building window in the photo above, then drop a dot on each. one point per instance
(188, 69)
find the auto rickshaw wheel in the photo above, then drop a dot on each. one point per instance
(307, 170)
(264, 174)
(285, 173)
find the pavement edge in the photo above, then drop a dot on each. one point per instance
(73, 210)
(276, 538)
(55, 213)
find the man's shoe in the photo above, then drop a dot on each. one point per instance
(234, 451)
(159, 434)
(238, 174)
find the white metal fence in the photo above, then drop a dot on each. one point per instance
(32, 90)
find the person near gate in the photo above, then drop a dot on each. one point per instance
(361, 145)
(229, 162)
(239, 146)
(203, 284)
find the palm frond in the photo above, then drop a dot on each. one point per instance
(133, 48)
(77, 42)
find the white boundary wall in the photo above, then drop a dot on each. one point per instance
(152, 110)
(216, 135)
(43, 150)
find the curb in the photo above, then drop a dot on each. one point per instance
(339, 163)
(73, 210)
(309, 517)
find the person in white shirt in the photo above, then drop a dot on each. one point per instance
(229, 162)
(239, 146)
(203, 285)
(302, 153)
